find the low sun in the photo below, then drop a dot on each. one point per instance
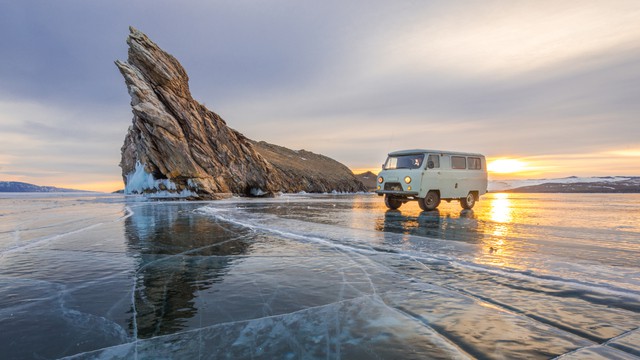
(506, 166)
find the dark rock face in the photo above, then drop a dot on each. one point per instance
(177, 147)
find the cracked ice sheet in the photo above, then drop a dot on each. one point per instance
(67, 255)
(481, 329)
(591, 312)
(598, 353)
(66, 305)
(629, 342)
(232, 288)
(192, 273)
(359, 328)
(33, 222)
(587, 239)
(63, 326)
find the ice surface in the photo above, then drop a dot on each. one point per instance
(319, 276)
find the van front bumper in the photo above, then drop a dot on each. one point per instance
(396, 193)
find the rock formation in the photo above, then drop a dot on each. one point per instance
(369, 180)
(309, 172)
(177, 147)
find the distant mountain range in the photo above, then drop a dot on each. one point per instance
(572, 184)
(16, 186)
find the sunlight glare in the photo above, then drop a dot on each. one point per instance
(506, 166)
(501, 208)
(628, 152)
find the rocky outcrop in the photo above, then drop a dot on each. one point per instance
(309, 172)
(177, 147)
(369, 179)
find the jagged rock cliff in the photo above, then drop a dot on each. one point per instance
(177, 147)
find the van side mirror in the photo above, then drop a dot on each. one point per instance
(382, 166)
(430, 164)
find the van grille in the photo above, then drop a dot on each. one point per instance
(393, 186)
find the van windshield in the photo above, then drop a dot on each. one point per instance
(404, 162)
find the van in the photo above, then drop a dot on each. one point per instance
(429, 176)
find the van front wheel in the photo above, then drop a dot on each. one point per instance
(430, 201)
(468, 202)
(392, 202)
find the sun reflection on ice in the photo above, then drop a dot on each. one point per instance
(497, 248)
(501, 208)
(500, 213)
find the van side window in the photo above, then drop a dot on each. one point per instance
(474, 163)
(435, 159)
(458, 162)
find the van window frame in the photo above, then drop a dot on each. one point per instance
(474, 160)
(436, 163)
(406, 159)
(453, 165)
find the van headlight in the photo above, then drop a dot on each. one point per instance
(407, 179)
(380, 180)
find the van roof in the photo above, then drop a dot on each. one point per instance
(422, 151)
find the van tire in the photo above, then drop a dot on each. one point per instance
(392, 202)
(468, 202)
(430, 201)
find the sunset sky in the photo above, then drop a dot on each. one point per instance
(551, 86)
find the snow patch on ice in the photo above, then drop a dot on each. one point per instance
(169, 194)
(257, 192)
(140, 181)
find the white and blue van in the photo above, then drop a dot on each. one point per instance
(428, 176)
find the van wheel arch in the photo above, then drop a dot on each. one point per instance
(470, 200)
(430, 201)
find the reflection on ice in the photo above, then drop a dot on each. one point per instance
(178, 258)
(432, 224)
(501, 208)
(313, 276)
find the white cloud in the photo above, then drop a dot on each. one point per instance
(504, 38)
(47, 144)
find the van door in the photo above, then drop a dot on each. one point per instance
(429, 179)
(445, 178)
(459, 176)
(430, 174)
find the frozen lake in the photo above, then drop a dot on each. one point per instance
(319, 276)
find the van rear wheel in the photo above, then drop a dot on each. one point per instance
(430, 201)
(392, 202)
(468, 202)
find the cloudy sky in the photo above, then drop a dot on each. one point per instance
(554, 84)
